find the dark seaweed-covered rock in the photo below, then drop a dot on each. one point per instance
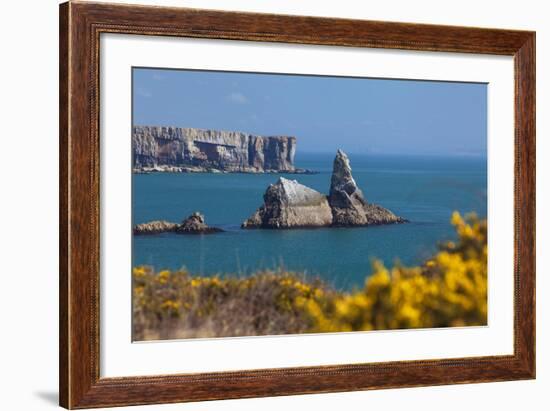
(194, 224)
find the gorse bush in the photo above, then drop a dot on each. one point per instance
(450, 289)
(178, 305)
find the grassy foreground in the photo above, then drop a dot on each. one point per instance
(450, 289)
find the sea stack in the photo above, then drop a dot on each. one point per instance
(289, 204)
(348, 204)
(194, 224)
(345, 198)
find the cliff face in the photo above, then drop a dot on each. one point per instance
(191, 149)
(290, 204)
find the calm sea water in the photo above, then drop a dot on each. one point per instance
(425, 190)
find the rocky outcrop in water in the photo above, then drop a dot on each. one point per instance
(290, 204)
(346, 199)
(194, 224)
(155, 227)
(349, 206)
(174, 149)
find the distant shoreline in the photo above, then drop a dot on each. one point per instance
(212, 170)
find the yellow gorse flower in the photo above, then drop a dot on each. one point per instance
(163, 276)
(449, 289)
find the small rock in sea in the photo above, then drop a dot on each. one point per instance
(194, 224)
(155, 227)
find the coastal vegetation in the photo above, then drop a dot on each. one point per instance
(449, 289)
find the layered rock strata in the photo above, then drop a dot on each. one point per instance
(174, 149)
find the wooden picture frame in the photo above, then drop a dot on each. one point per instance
(80, 27)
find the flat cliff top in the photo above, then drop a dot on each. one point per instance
(175, 132)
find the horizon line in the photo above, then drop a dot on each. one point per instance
(411, 154)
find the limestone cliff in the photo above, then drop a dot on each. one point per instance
(195, 150)
(290, 204)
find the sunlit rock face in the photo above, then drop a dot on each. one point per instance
(177, 149)
(194, 224)
(345, 198)
(349, 205)
(288, 204)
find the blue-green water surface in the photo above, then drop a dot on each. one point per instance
(425, 190)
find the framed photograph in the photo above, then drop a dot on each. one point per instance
(260, 205)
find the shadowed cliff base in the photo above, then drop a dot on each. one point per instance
(289, 204)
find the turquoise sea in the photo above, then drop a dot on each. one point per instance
(425, 190)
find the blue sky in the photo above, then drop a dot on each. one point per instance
(358, 115)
